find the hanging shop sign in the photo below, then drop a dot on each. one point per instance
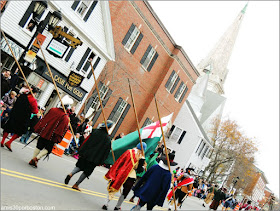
(61, 81)
(56, 48)
(74, 79)
(31, 54)
(17, 50)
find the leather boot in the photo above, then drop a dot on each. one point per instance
(33, 162)
(76, 187)
(8, 146)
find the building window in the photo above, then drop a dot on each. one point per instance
(119, 111)
(204, 153)
(96, 103)
(176, 134)
(84, 8)
(172, 82)
(199, 153)
(180, 91)
(38, 82)
(199, 146)
(118, 114)
(7, 61)
(147, 122)
(27, 22)
(131, 40)
(149, 58)
(84, 64)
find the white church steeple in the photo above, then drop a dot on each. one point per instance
(219, 56)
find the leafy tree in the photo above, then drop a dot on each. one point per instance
(229, 145)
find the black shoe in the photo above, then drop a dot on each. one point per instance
(67, 179)
(104, 207)
(203, 205)
(117, 208)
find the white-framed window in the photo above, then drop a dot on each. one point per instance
(102, 91)
(38, 82)
(149, 58)
(172, 81)
(85, 65)
(180, 91)
(7, 62)
(115, 118)
(132, 39)
(176, 133)
(83, 7)
(30, 25)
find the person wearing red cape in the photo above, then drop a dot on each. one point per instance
(182, 189)
(123, 173)
(51, 130)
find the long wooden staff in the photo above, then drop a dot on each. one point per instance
(101, 107)
(136, 117)
(20, 68)
(166, 153)
(50, 72)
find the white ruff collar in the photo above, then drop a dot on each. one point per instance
(162, 165)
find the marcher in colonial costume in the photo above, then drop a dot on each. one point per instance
(151, 160)
(210, 195)
(123, 173)
(219, 196)
(19, 118)
(93, 152)
(154, 185)
(183, 188)
(51, 129)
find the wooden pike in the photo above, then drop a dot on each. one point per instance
(19, 67)
(166, 153)
(136, 117)
(50, 72)
(102, 109)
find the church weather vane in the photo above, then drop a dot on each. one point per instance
(57, 31)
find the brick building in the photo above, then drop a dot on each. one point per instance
(154, 63)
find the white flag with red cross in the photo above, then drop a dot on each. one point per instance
(153, 130)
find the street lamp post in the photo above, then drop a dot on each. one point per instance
(52, 19)
(234, 181)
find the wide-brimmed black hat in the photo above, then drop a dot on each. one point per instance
(171, 158)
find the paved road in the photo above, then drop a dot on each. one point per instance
(22, 185)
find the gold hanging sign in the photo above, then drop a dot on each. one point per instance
(74, 79)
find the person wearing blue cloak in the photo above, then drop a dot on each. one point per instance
(154, 185)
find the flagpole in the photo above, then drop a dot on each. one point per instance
(50, 72)
(166, 153)
(136, 117)
(102, 109)
(19, 68)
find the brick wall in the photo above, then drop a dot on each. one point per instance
(144, 84)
